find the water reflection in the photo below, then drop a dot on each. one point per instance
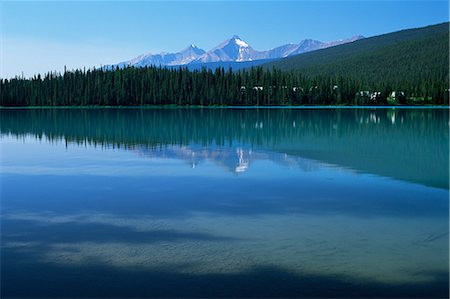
(234, 159)
(407, 144)
(224, 203)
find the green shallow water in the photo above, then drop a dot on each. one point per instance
(224, 202)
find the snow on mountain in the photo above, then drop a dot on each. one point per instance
(183, 57)
(281, 51)
(307, 45)
(231, 50)
(341, 41)
(235, 49)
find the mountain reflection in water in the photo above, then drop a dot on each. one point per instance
(405, 144)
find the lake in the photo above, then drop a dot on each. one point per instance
(225, 202)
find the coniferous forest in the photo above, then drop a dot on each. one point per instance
(255, 86)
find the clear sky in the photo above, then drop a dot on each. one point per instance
(41, 36)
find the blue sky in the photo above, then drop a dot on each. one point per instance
(41, 36)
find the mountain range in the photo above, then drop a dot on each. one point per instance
(232, 50)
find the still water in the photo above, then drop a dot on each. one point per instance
(224, 203)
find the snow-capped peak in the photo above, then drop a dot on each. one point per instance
(239, 41)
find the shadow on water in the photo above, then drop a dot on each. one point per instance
(27, 270)
(75, 232)
(95, 280)
(405, 144)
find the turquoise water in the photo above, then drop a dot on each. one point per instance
(224, 202)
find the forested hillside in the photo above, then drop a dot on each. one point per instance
(415, 61)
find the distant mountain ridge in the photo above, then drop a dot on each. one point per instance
(233, 49)
(183, 57)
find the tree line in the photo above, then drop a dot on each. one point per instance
(256, 86)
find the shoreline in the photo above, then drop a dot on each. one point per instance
(227, 107)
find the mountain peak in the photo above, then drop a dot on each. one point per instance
(238, 41)
(356, 37)
(192, 48)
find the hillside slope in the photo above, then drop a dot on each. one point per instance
(414, 60)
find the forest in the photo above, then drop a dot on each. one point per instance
(415, 61)
(256, 86)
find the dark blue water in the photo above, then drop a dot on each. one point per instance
(224, 203)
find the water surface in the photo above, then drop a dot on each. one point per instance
(224, 203)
